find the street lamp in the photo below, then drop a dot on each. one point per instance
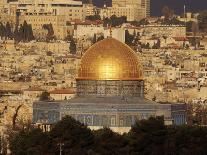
(60, 147)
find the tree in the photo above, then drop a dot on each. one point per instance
(195, 28)
(100, 38)
(158, 43)
(93, 17)
(94, 38)
(115, 21)
(108, 142)
(75, 137)
(148, 136)
(128, 38)
(25, 33)
(143, 22)
(196, 114)
(8, 32)
(30, 33)
(202, 21)
(107, 22)
(147, 46)
(21, 33)
(50, 32)
(189, 140)
(2, 30)
(33, 141)
(16, 34)
(189, 26)
(45, 96)
(14, 118)
(72, 47)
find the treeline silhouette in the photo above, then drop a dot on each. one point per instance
(19, 33)
(146, 137)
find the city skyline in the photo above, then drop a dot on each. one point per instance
(176, 5)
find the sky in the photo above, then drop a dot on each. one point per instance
(176, 5)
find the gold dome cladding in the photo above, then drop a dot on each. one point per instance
(110, 59)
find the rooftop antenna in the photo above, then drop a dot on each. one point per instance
(185, 14)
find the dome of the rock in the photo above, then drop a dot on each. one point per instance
(110, 59)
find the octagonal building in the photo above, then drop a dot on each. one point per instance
(110, 92)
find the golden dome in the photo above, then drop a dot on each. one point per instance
(110, 59)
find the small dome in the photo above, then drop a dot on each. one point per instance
(110, 59)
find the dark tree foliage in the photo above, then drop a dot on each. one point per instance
(202, 20)
(32, 142)
(108, 142)
(172, 21)
(72, 46)
(16, 34)
(115, 21)
(146, 137)
(93, 18)
(156, 45)
(94, 39)
(129, 38)
(30, 33)
(24, 33)
(189, 140)
(45, 96)
(189, 26)
(142, 22)
(2, 30)
(8, 31)
(100, 38)
(75, 137)
(50, 32)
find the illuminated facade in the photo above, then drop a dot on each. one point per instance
(132, 9)
(132, 12)
(110, 92)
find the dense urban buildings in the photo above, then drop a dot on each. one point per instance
(104, 66)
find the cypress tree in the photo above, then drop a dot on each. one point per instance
(94, 39)
(9, 33)
(16, 34)
(30, 33)
(72, 47)
(21, 33)
(2, 30)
